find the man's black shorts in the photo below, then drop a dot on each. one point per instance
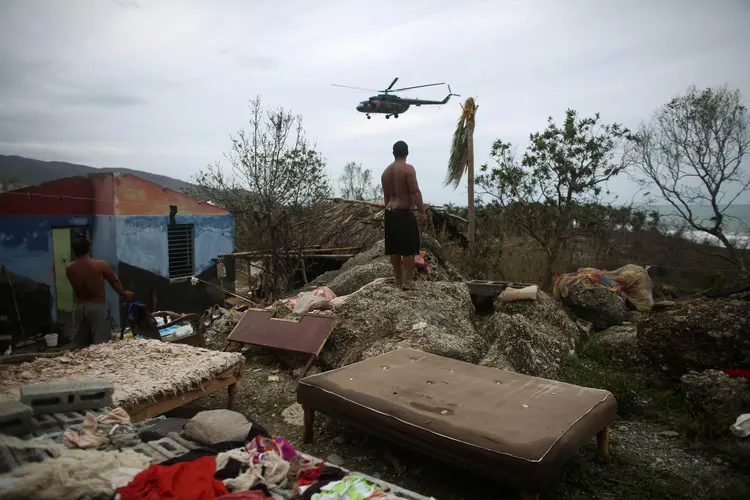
(401, 233)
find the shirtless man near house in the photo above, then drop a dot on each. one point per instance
(91, 316)
(401, 193)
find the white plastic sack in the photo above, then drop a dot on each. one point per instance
(741, 427)
(513, 294)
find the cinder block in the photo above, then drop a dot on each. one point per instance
(28, 455)
(45, 422)
(55, 397)
(68, 419)
(147, 450)
(7, 461)
(168, 447)
(15, 418)
(182, 441)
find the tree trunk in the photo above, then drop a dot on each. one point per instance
(549, 274)
(470, 172)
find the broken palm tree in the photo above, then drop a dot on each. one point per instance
(462, 159)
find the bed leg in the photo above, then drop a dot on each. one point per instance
(602, 444)
(309, 422)
(529, 496)
(232, 396)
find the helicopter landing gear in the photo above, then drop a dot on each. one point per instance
(369, 117)
(387, 116)
(396, 115)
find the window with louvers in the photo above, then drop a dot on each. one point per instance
(180, 247)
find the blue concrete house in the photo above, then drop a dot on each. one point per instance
(147, 233)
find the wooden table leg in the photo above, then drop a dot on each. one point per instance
(529, 496)
(232, 396)
(602, 444)
(309, 419)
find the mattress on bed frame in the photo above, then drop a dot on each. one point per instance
(515, 428)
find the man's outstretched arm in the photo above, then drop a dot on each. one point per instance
(114, 281)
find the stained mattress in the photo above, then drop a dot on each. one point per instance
(518, 429)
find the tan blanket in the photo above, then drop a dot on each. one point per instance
(140, 370)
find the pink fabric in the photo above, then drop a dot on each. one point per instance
(244, 495)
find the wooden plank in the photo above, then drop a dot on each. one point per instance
(148, 410)
(259, 327)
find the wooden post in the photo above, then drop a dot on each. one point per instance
(232, 396)
(602, 444)
(15, 302)
(309, 419)
(304, 270)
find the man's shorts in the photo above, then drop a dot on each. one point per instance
(91, 324)
(401, 233)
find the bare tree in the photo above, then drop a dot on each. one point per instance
(275, 176)
(550, 193)
(692, 152)
(355, 183)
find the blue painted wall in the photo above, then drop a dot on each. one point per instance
(26, 247)
(142, 240)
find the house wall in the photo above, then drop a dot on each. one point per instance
(142, 219)
(27, 217)
(128, 217)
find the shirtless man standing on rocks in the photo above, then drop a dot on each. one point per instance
(401, 193)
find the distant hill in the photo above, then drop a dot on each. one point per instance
(17, 171)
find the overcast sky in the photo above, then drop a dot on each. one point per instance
(159, 85)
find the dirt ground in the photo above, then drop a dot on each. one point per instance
(649, 460)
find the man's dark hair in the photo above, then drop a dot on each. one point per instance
(81, 247)
(400, 149)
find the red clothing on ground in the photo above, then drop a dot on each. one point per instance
(87, 276)
(738, 373)
(183, 481)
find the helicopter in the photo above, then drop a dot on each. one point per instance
(393, 105)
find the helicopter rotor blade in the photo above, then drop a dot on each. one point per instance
(354, 88)
(418, 87)
(391, 85)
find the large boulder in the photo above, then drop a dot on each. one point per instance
(373, 263)
(697, 335)
(544, 309)
(597, 305)
(716, 396)
(618, 347)
(436, 318)
(526, 345)
(534, 337)
(355, 277)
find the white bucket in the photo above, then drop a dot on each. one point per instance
(51, 339)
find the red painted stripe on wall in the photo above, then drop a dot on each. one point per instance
(136, 196)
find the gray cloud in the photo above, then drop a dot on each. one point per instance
(127, 4)
(152, 87)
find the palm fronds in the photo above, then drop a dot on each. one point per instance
(459, 158)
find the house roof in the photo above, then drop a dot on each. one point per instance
(109, 193)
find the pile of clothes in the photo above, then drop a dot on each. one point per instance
(221, 455)
(263, 468)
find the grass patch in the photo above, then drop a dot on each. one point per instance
(622, 478)
(640, 393)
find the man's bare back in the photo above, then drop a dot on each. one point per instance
(400, 187)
